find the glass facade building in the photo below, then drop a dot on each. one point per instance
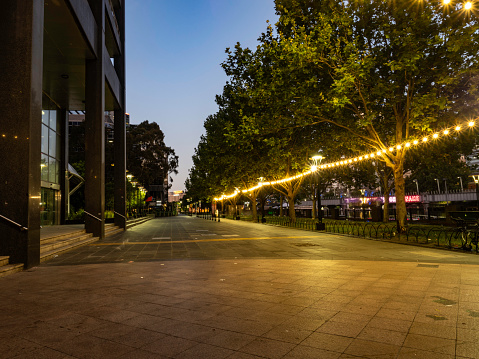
(63, 55)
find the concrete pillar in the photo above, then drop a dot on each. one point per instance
(21, 68)
(95, 132)
(120, 130)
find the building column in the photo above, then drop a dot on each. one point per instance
(64, 174)
(120, 130)
(21, 68)
(95, 132)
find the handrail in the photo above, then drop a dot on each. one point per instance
(22, 228)
(91, 215)
(115, 212)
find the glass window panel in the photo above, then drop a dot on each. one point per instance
(53, 120)
(44, 139)
(52, 141)
(45, 114)
(52, 170)
(44, 167)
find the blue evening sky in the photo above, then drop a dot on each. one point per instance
(174, 49)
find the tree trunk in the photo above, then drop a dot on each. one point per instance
(253, 197)
(386, 208)
(292, 212)
(281, 205)
(399, 184)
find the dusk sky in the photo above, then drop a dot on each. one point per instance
(174, 50)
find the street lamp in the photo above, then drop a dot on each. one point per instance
(445, 184)
(417, 185)
(460, 179)
(320, 226)
(438, 188)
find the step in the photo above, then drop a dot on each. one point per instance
(3, 261)
(10, 269)
(62, 236)
(112, 231)
(137, 221)
(63, 242)
(52, 253)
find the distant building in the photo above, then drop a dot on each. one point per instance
(175, 196)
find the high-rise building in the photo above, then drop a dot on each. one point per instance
(58, 56)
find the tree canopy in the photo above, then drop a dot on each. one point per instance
(346, 77)
(148, 158)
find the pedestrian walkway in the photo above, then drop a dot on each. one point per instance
(191, 288)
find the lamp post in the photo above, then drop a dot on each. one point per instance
(438, 188)
(320, 226)
(462, 188)
(417, 185)
(261, 180)
(476, 181)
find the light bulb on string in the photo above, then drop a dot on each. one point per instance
(346, 161)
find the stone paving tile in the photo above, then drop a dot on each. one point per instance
(170, 346)
(433, 330)
(305, 352)
(267, 348)
(239, 355)
(335, 343)
(87, 347)
(347, 329)
(411, 353)
(434, 344)
(142, 354)
(13, 346)
(467, 349)
(43, 353)
(370, 349)
(390, 324)
(288, 334)
(273, 300)
(205, 351)
(382, 336)
(229, 340)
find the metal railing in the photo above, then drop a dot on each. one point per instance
(437, 236)
(22, 228)
(91, 215)
(116, 213)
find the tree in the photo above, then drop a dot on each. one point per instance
(148, 158)
(386, 72)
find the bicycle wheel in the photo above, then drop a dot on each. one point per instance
(458, 238)
(467, 240)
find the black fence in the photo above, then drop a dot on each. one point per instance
(429, 235)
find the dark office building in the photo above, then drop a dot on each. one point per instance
(57, 56)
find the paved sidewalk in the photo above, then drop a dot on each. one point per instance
(277, 293)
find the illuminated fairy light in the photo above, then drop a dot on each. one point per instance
(347, 161)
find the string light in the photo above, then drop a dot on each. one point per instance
(345, 161)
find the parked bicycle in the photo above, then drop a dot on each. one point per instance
(467, 233)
